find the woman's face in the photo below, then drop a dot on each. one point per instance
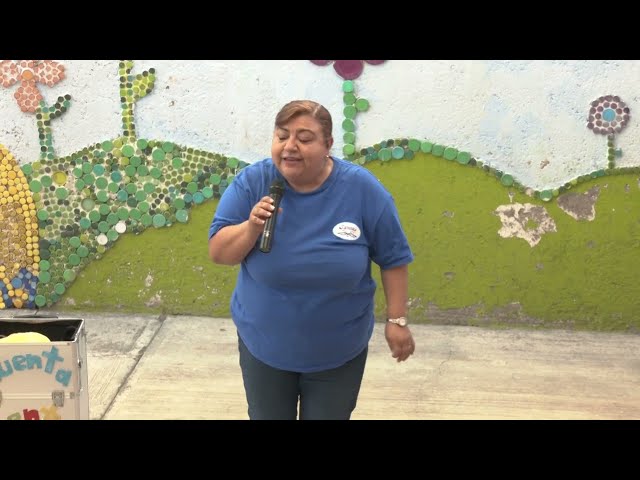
(299, 151)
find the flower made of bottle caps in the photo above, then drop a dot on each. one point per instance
(608, 115)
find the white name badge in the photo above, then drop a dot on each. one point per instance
(347, 231)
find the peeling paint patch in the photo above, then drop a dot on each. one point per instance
(154, 301)
(580, 206)
(525, 221)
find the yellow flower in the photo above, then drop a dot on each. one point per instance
(18, 236)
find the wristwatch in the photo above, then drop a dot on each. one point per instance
(401, 321)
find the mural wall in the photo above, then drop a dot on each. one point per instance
(518, 182)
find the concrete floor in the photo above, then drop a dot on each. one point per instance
(180, 367)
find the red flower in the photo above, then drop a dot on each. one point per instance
(30, 72)
(347, 69)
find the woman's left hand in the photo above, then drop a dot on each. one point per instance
(400, 341)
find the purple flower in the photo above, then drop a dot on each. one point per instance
(608, 115)
(347, 69)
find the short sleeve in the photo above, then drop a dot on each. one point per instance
(234, 206)
(389, 246)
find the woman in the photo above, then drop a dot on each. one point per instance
(305, 310)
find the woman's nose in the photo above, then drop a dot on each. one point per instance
(290, 144)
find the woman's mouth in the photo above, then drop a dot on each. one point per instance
(291, 160)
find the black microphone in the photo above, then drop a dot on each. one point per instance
(275, 191)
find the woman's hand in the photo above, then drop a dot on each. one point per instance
(260, 212)
(233, 243)
(400, 341)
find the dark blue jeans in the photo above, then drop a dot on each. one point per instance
(273, 394)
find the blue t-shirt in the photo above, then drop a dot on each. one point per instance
(308, 305)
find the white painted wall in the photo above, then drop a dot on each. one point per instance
(511, 114)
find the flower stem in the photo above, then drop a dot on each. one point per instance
(132, 88)
(611, 151)
(44, 116)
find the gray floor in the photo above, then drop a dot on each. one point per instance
(180, 367)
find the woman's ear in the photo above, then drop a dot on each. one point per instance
(330, 143)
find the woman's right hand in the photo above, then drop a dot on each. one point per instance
(260, 212)
(233, 243)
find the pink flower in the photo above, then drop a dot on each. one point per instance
(347, 69)
(30, 72)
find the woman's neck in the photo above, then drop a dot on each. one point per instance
(317, 182)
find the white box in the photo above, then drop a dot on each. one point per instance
(44, 381)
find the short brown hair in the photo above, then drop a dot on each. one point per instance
(306, 107)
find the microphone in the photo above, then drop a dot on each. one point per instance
(275, 191)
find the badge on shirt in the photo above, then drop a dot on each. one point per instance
(347, 231)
